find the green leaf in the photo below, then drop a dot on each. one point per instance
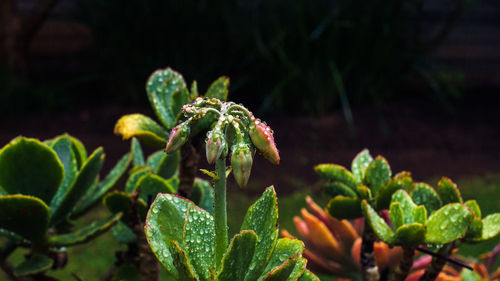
(448, 224)
(342, 207)
(308, 276)
(165, 223)
(448, 191)
(199, 242)
(37, 263)
(84, 234)
(406, 204)
(336, 188)
(396, 215)
(117, 202)
(262, 218)
(204, 123)
(206, 198)
(194, 91)
(135, 175)
(384, 194)
(29, 167)
(290, 270)
(143, 128)
(470, 275)
(491, 226)
(411, 235)
(424, 194)
(360, 163)
(84, 180)
(137, 154)
(364, 192)
(179, 98)
(78, 150)
(168, 165)
(123, 233)
(381, 229)
(405, 178)
(154, 159)
(336, 173)
(24, 215)
(160, 87)
(236, 261)
(219, 89)
(420, 214)
(151, 185)
(62, 146)
(474, 207)
(285, 249)
(181, 268)
(377, 174)
(475, 230)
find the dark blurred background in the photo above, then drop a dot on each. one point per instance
(417, 81)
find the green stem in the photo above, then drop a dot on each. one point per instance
(220, 211)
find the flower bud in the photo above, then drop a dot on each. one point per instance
(216, 145)
(241, 162)
(263, 139)
(178, 137)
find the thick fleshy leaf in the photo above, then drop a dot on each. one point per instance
(29, 167)
(406, 203)
(62, 146)
(405, 178)
(219, 89)
(160, 87)
(117, 202)
(342, 207)
(424, 194)
(179, 98)
(470, 275)
(135, 175)
(37, 263)
(396, 215)
(199, 242)
(491, 226)
(206, 194)
(474, 207)
(154, 159)
(262, 218)
(84, 234)
(377, 174)
(308, 276)
(165, 223)
(410, 235)
(24, 215)
(182, 269)
(285, 249)
(448, 191)
(381, 229)
(236, 261)
(167, 167)
(384, 194)
(290, 270)
(79, 151)
(336, 173)
(84, 180)
(143, 128)
(321, 238)
(137, 154)
(123, 233)
(364, 192)
(151, 185)
(448, 223)
(336, 188)
(360, 163)
(420, 214)
(475, 230)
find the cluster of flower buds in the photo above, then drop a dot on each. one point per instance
(233, 127)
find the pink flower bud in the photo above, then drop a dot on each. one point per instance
(262, 138)
(178, 137)
(216, 145)
(241, 162)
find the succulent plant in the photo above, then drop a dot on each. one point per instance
(43, 186)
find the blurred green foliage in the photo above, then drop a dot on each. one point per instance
(319, 54)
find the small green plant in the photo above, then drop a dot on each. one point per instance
(400, 212)
(191, 243)
(43, 187)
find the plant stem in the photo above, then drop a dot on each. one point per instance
(220, 211)
(401, 272)
(437, 263)
(368, 265)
